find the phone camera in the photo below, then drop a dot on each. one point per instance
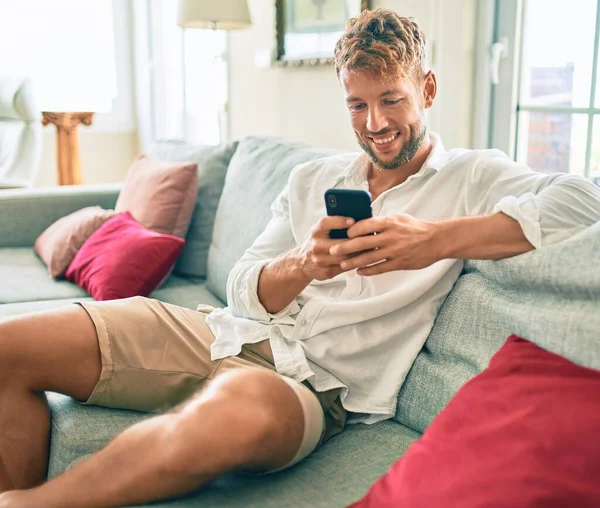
(332, 201)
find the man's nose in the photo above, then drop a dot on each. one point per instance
(376, 120)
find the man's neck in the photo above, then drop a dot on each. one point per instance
(381, 180)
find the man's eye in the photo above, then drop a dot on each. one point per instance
(357, 107)
(391, 102)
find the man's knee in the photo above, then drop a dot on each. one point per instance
(243, 401)
(242, 408)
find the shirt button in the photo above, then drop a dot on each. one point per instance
(304, 322)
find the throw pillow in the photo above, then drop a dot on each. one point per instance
(212, 166)
(59, 243)
(259, 170)
(123, 259)
(160, 195)
(524, 432)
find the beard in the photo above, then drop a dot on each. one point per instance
(408, 151)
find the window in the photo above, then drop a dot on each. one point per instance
(66, 46)
(187, 78)
(549, 77)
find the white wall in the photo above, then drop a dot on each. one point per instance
(306, 104)
(105, 156)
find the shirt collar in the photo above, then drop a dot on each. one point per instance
(356, 173)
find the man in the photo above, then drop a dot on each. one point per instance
(317, 331)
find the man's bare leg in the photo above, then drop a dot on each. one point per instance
(246, 418)
(4, 481)
(54, 351)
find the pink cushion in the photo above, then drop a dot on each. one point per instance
(59, 243)
(160, 195)
(522, 433)
(123, 259)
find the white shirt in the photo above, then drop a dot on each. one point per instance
(362, 333)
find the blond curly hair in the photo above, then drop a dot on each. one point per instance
(383, 44)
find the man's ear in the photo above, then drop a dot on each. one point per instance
(429, 89)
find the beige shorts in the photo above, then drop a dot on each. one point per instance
(156, 355)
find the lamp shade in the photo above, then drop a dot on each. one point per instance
(222, 14)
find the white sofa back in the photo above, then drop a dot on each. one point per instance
(20, 133)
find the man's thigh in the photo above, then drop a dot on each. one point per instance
(154, 355)
(53, 350)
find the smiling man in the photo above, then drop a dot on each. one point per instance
(318, 332)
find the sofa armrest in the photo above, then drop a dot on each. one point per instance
(25, 213)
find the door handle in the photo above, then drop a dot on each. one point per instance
(499, 51)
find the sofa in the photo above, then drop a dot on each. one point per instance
(550, 296)
(20, 133)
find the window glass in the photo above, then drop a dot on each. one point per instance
(552, 142)
(558, 53)
(66, 46)
(189, 79)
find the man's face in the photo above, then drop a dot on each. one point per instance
(387, 116)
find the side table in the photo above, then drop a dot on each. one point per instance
(68, 161)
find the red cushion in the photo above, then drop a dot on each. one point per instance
(123, 259)
(525, 432)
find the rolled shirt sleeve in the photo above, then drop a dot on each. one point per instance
(549, 208)
(242, 283)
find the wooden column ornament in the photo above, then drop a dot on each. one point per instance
(67, 143)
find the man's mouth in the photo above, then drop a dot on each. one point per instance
(384, 142)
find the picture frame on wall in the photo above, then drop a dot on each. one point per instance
(307, 30)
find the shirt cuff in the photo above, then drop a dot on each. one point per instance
(249, 295)
(525, 211)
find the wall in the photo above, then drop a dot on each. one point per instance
(306, 103)
(105, 156)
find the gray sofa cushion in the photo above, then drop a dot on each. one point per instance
(26, 213)
(337, 474)
(212, 166)
(15, 309)
(258, 172)
(186, 293)
(25, 278)
(550, 296)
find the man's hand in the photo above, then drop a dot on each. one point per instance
(401, 242)
(315, 253)
(286, 276)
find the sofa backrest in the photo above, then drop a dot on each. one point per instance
(212, 167)
(550, 296)
(257, 173)
(20, 133)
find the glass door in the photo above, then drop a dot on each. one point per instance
(546, 99)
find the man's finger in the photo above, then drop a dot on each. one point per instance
(326, 224)
(355, 245)
(384, 266)
(367, 227)
(368, 258)
(324, 245)
(323, 260)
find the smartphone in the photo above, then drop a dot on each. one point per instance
(347, 203)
